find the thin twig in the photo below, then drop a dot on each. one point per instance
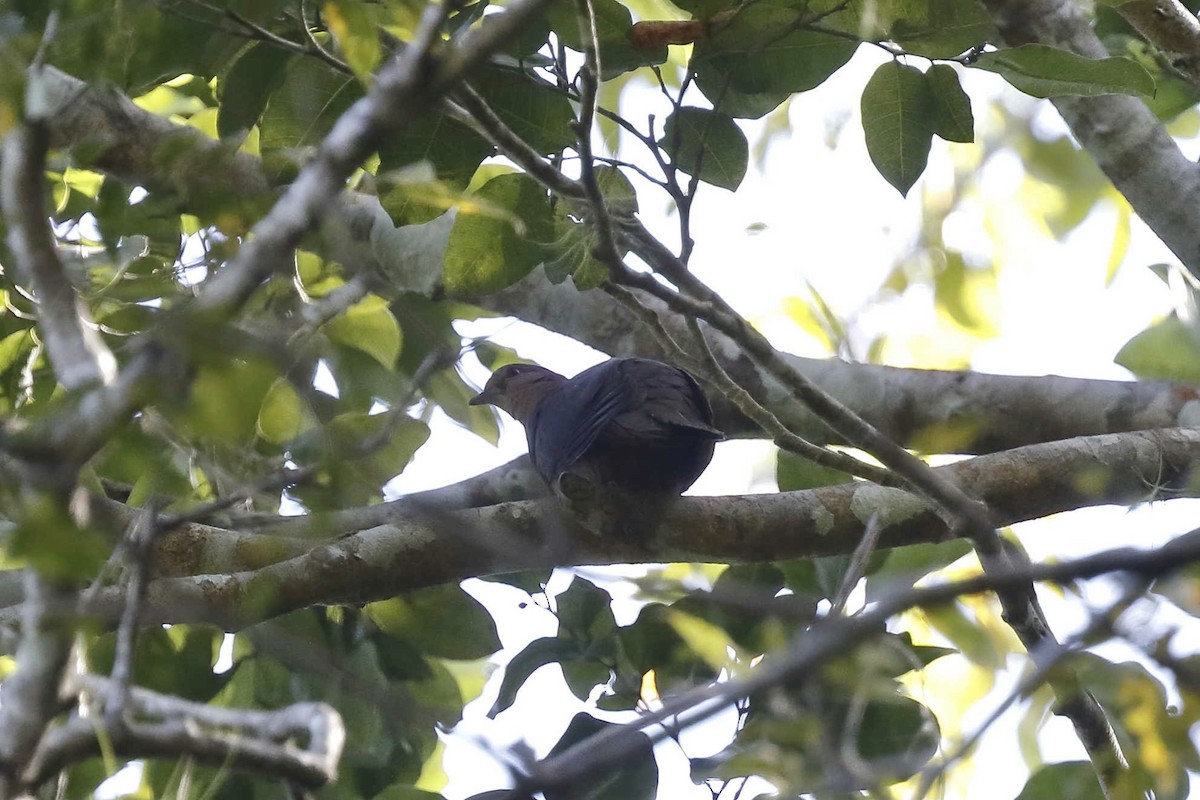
(858, 564)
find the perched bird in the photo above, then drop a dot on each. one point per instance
(617, 443)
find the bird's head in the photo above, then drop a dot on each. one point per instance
(518, 388)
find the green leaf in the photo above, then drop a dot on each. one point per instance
(368, 326)
(899, 734)
(793, 472)
(357, 34)
(613, 24)
(423, 618)
(406, 792)
(585, 611)
(454, 151)
(500, 242)
(941, 28)
(245, 89)
(48, 538)
(1168, 350)
(575, 240)
(351, 478)
(537, 654)
(903, 566)
(536, 111)
(706, 143)
(283, 415)
(967, 635)
(453, 395)
(898, 114)
(226, 398)
(636, 779)
(953, 120)
(746, 69)
(1044, 71)
(303, 109)
(1067, 780)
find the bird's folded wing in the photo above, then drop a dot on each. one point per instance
(569, 421)
(666, 404)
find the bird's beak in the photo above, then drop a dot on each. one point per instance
(481, 399)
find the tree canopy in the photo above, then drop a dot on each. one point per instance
(248, 248)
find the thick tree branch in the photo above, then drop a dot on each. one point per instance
(437, 547)
(29, 696)
(1169, 26)
(79, 355)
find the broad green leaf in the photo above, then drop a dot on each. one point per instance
(1168, 350)
(941, 28)
(1066, 780)
(453, 395)
(283, 415)
(708, 144)
(537, 654)
(1044, 71)
(501, 240)
(585, 612)
(636, 779)
(746, 68)
(793, 472)
(350, 477)
(651, 643)
(899, 734)
(303, 109)
(368, 326)
(405, 792)
(970, 296)
(225, 400)
(613, 24)
(583, 675)
(136, 455)
(245, 89)
(953, 120)
(966, 634)
(575, 240)
(14, 349)
(48, 539)
(424, 617)
(898, 115)
(454, 151)
(536, 111)
(705, 639)
(357, 34)
(903, 566)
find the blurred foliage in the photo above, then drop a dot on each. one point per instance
(400, 671)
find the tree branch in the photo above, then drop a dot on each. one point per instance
(162, 725)
(437, 547)
(1118, 131)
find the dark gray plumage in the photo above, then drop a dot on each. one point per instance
(628, 435)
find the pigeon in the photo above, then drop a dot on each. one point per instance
(617, 443)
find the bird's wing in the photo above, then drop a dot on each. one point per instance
(569, 421)
(666, 403)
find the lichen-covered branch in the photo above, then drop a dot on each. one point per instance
(433, 546)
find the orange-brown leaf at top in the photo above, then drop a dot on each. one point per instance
(648, 35)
